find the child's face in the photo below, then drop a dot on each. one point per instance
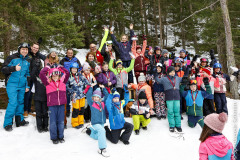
(172, 73)
(105, 67)
(53, 54)
(87, 72)
(55, 77)
(90, 57)
(74, 70)
(176, 68)
(159, 69)
(217, 69)
(119, 66)
(158, 51)
(182, 54)
(116, 99)
(193, 88)
(96, 99)
(139, 51)
(142, 101)
(204, 64)
(124, 39)
(141, 83)
(165, 55)
(109, 47)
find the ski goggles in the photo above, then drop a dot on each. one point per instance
(55, 73)
(193, 82)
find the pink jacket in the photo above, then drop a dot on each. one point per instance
(134, 46)
(216, 148)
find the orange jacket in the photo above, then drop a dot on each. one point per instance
(148, 92)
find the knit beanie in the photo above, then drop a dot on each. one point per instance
(142, 95)
(216, 121)
(142, 77)
(182, 50)
(86, 66)
(119, 62)
(97, 93)
(170, 69)
(207, 70)
(53, 50)
(116, 94)
(164, 51)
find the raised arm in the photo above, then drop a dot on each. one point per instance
(106, 31)
(110, 66)
(133, 49)
(131, 65)
(43, 75)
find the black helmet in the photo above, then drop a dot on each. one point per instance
(24, 45)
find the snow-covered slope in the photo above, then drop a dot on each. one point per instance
(25, 143)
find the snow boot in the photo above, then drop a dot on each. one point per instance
(179, 129)
(61, 140)
(103, 152)
(164, 117)
(19, 122)
(55, 141)
(137, 132)
(159, 117)
(8, 128)
(25, 114)
(171, 129)
(79, 126)
(124, 142)
(144, 128)
(68, 113)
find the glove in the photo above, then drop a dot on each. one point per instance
(195, 58)
(144, 37)
(112, 28)
(172, 56)
(113, 90)
(206, 81)
(184, 80)
(131, 54)
(40, 40)
(125, 87)
(236, 73)
(212, 54)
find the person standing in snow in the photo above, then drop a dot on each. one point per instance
(98, 117)
(16, 70)
(55, 80)
(66, 62)
(125, 48)
(214, 145)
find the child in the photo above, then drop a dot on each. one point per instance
(56, 99)
(52, 58)
(214, 145)
(76, 86)
(138, 52)
(121, 74)
(219, 92)
(116, 118)
(140, 112)
(194, 101)
(172, 97)
(159, 95)
(107, 78)
(92, 80)
(124, 49)
(165, 60)
(98, 118)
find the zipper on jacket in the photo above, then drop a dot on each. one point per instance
(194, 109)
(20, 73)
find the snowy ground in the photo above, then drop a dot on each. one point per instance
(25, 143)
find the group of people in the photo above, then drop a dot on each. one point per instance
(101, 87)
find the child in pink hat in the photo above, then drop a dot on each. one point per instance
(214, 145)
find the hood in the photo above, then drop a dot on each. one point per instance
(219, 145)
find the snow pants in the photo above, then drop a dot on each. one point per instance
(160, 103)
(78, 112)
(137, 119)
(174, 117)
(98, 133)
(193, 120)
(220, 102)
(41, 114)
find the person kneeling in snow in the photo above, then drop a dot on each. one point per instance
(194, 101)
(98, 118)
(140, 112)
(116, 118)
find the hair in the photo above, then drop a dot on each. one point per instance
(36, 43)
(50, 78)
(104, 63)
(206, 132)
(69, 49)
(91, 53)
(53, 60)
(124, 35)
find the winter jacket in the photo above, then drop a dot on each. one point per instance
(77, 84)
(124, 47)
(195, 109)
(216, 147)
(107, 54)
(55, 95)
(156, 86)
(237, 148)
(66, 62)
(168, 62)
(147, 89)
(105, 77)
(170, 92)
(13, 78)
(115, 111)
(91, 79)
(92, 64)
(121, 74)
(98, 109)
(212, 82)
(140, 64)
(222, 79)
(136, 107)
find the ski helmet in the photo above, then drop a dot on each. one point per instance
(217, 65)
(24, 45)
(74, 65)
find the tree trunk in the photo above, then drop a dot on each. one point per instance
(141, 13)
(145, 19)
(182, 27)
(160, 23)
(195, 44)
(155, 21)
(229, 46)
(6, 35)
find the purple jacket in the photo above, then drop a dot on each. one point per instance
(105, 77)
(56, 91)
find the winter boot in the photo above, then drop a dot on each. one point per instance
(79, 126)
(55, 141)
(137, 132)
(159, 117)
(61, 140)
(8, 128)
(25, 114)
(68, 113)
(124, 142)
(171, 129)
(103, 152)
(144, 128)
(179, 129)
(164, 117)
(19, 122)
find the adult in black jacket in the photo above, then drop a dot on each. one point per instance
(109, 50)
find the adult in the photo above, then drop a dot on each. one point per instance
(66, 63)
(52, 58)
(35, 63)
(93, 49)
(16, 70)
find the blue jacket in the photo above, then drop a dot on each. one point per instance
(20, 79)
(116, 116)
(124, 52)
(156, 86)
(66, 62)
(98, 109)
